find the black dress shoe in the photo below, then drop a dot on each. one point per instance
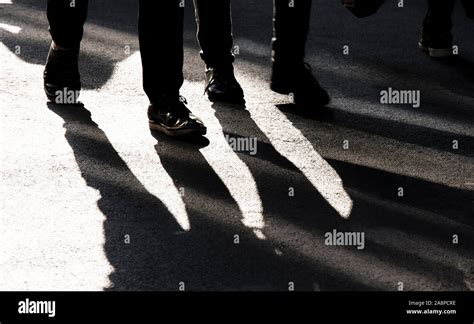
(298, 81)
(173, 118)
(221, 85)
(437, 46)
(62, 82)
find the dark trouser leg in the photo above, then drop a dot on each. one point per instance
(437, 23)
(289, 73)
(160, 29)
(214, 22)
(66, 21)
(469, 7)
(291, 27)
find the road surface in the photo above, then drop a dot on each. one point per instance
(90, 200)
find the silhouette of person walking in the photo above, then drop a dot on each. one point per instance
(290, 73)
(161, 45)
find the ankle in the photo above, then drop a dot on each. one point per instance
(221, 68)
(56, 47)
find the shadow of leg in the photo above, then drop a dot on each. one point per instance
(149, 262)
(224, 252)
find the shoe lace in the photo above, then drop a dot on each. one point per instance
(206, 88)
(215, 76)
(210, 82)
(183, 100)
(180, 108)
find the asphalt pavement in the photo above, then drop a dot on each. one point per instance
(91, 200)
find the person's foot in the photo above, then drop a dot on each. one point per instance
(437, 46)
(298, 81)
(221, 85)
(62, 82)
(171, 117)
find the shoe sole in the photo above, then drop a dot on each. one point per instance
(176, 132)
(279, 88)
(436, 52)
(284, 90)
(225, 99)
